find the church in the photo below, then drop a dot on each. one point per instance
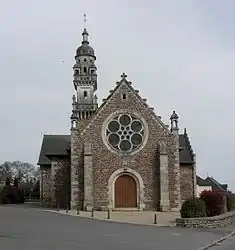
(119, 155)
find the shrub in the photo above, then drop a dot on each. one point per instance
(11, 195)
(214, 202)
(193, 208)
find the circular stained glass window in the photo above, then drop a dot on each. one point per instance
(113, 126)
(125, 133)
(136, 126)
(113, 139)
(124, 120)
(136, 139)
(125, 145)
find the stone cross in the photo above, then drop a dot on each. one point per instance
(123, 76)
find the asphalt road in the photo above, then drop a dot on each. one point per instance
(228, 244)
(31, 228)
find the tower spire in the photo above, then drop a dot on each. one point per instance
(85, 80)
(85, 33)
(85, 22)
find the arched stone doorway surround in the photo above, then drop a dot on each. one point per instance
(139, 185)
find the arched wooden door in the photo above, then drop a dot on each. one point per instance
(125, 192)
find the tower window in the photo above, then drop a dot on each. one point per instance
(85, 94)
(124, 96)
(84, 59)
(85, 70)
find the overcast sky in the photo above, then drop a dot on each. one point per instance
(179, 54)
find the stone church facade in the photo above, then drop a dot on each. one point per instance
(118, 156)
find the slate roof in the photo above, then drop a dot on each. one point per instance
(58, 144)
(53, 145)
(185, 154)
(202, 182)
(216, 185)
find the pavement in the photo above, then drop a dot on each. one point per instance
(28, 228)
(134, 217)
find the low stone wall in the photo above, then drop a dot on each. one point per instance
(222, 220)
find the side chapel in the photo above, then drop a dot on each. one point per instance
(117, 156)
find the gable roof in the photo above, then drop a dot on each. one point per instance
(202, 182)
(186, 152)
(58, 144)
(53, 145)
(185, 156)
(216, 185)
(135, 92)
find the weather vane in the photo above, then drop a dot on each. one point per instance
(85, 21)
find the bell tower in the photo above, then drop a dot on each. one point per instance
(85, 80)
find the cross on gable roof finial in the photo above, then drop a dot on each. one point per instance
(123, 76)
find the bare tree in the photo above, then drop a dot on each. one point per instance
(23, 171)
(5, 171)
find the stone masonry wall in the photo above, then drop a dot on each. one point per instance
(174, 174)
(186, 182)
(77, 162)
(60, 182)
(145, 162)
(219, 221)
(45, 184)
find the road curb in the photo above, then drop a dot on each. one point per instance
(214, 243)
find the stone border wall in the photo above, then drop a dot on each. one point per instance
(222, 220)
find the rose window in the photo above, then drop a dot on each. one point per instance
(125, 133)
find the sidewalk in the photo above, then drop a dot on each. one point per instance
(144, 217)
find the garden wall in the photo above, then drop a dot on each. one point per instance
(222, 220)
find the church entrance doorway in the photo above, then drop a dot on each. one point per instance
(125, 192)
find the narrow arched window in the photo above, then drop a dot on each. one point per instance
(85, 94)
(85, 70)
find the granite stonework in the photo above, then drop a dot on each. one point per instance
(175, 192)
(146, 162)
(186, 182)
(45, 185)
(60, 182)
(219, 221)
(77, 163)
(164, 180)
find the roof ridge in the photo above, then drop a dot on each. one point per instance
(216, 183)
(202, 182)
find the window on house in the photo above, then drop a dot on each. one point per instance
(123, 96)
(85, 70)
